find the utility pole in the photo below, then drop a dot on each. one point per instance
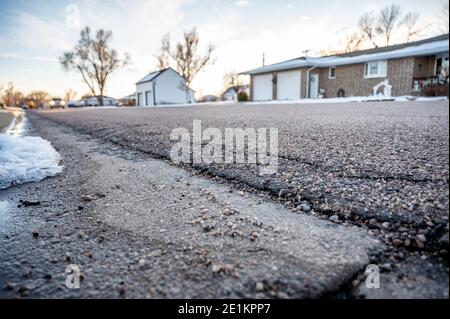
(264, 59)
(305, 52)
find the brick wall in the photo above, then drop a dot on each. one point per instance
(351, 79)
(424, 66)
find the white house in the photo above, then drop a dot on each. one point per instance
(163, 87)
(93, 101)
(231, 94)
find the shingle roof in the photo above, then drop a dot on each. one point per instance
(151, 76)
(429, 46)
(395, 46)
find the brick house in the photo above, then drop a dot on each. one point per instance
(416, 68)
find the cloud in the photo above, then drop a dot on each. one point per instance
(27, 58)
(242, 3)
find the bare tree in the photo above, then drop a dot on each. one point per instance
(410, 22)
(329, 51)
(1, 96)
(163, 56)
(232, 79)
(387, 21)
(185, 56)
(69, 95)
(368, 28)
(11, 97)
(353, 42)
(94, 60)
(37, 99)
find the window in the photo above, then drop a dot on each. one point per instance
(332, 72)
(377, 69)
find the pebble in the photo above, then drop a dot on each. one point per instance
(305, 207)
(334, 218)
(419, 244)
(141, 263)
(422, 238)
(156, 253)
(208, 228)
(386, 267)
(259, 287)
(87, 198)
(386, 225)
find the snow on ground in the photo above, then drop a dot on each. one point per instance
(25, 158)
(350, 99)
(353, 99)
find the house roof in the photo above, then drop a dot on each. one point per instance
(129, 97)
(96, 97)
(153, 75)
(425, 47)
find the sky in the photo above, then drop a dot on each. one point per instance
(33, 34)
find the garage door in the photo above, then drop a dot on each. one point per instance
(262, 87)
(288, 85)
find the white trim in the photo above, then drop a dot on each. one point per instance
(329, 72)
(380, 73)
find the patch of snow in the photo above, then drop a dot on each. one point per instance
(25, 158)
(406, 98)
(353, 99)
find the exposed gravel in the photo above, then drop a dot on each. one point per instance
(142, 228)
(383, 164)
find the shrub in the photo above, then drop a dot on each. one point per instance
(242, 97)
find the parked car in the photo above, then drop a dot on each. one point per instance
(56, 103)
(74, 103)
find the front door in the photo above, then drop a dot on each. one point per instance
(314, 86)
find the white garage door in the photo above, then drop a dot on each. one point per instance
(288, 85)
(262, 87)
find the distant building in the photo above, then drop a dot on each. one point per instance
(93, 101)
(74, 103)
(208, 98)
(129, 100)
(163, 87)
(231, 94)
(416, 68)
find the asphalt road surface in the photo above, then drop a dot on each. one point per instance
(357, 184)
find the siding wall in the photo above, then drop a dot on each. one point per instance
(351, 77)
(424, 66)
